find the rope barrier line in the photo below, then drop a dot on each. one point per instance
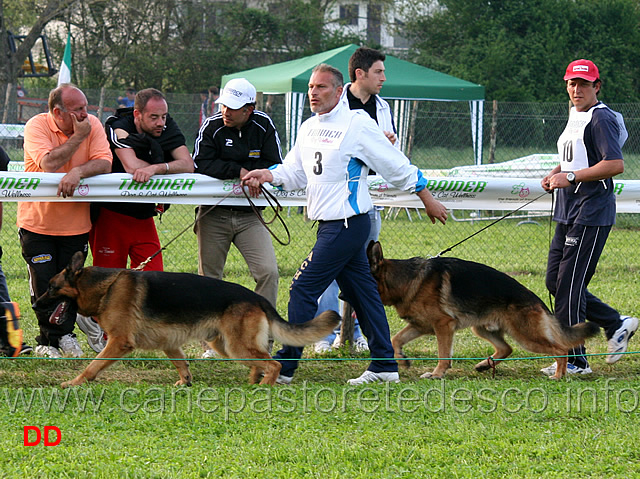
(315, 359)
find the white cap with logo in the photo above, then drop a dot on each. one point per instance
(237, 93)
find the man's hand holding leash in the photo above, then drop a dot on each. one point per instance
(554, 180)
(254, 179)
(600, 171)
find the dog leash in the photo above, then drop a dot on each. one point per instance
(276, 207)
(490, 225)
(551, 298)
(141, 266)
(272, 203)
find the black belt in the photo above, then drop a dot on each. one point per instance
(239, 209)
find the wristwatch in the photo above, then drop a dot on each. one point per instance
(571, 177)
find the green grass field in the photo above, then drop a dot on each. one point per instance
(132, 422)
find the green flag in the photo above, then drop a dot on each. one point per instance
(65, 67)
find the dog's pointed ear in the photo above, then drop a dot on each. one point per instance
(76, 263)
(374, 254)
(369, 246)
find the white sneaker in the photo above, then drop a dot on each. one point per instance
(571, 369)
(69, 346)
(96, 337)
(371, 377)
(209, 353)
(336, 342)
(47, 351)
(620, 339)
(361, 344)
(322, 347)
(284, 380)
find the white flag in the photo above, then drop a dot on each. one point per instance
(64, 76)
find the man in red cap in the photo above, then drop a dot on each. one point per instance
(590, 156)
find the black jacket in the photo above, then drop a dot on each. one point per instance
(147, 148)
(221, 151)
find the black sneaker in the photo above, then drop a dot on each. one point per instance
(10, 352)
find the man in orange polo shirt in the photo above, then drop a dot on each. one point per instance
(65, 140)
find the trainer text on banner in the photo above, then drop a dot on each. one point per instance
(456, 193)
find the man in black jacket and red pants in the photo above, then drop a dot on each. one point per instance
(145, 142)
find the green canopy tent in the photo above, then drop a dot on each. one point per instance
(406, 81)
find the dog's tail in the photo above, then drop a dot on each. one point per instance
(304, 333)
(572, 336)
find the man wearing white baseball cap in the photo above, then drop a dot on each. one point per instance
(237, 93)
(231, 143)
(590, 156)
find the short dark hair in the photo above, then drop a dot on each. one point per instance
(363, 58)
(143, 97)
(338, 79)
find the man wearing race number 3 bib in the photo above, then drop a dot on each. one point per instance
(331, 158)
(590, 156)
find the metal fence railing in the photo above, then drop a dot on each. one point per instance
(442, 140)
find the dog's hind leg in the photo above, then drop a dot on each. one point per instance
(496, 338)
(271, 371)
(561, 367)
(267, 366)
(261, 363)
(406, 335)
(117, 347)
(217, 344)
(178, 357)
(261, 366)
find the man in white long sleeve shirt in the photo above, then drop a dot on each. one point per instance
(331, 158)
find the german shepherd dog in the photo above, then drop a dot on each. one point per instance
(442, 295)
(160, 310)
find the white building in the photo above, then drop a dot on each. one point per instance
(379, 23)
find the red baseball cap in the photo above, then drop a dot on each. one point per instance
(585, 69)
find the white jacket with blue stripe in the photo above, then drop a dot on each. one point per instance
(331, 158)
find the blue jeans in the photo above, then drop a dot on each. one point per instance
(329, 300)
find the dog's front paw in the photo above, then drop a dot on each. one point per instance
(67, 384)
(432, 375)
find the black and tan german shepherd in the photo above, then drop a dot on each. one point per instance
(442, 295)
(160, 310)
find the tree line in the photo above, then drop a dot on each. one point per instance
(517, 49)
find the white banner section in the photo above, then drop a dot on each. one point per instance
(456, 193)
